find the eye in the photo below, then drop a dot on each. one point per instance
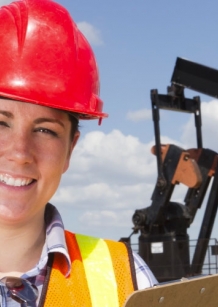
(46, 131)
(2, 123)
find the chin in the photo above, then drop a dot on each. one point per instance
(13, 214)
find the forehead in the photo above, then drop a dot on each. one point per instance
(24, 108)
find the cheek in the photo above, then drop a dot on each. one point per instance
(53, 157)
(66, 164)
(5, 138)
(51, 173)
(71, 147)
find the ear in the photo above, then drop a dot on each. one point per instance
(72, 145)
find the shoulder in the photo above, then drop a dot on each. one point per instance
(119, 252)
(145, 278)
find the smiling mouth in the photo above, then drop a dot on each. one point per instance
(15, 182)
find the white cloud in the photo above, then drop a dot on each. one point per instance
(115, 153)
(113, 167)
(139, 115)
(110, 218)
(92, 34)
(105, 195)
(111, 175)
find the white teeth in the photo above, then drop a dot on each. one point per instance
(25, 181)
(17, 182)
(11, 181)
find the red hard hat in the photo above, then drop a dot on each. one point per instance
(46, 60)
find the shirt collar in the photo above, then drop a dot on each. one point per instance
(55, 239)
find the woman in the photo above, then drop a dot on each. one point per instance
(48, 82)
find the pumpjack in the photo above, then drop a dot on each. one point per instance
(163, 239)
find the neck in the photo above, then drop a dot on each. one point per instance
(21, 246)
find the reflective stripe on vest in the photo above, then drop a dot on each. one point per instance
(100, 278)
(101, 274)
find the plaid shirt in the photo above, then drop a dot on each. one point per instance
(55, 242)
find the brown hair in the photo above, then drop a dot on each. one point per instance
(74, 125)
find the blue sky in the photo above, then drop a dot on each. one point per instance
(136, 43)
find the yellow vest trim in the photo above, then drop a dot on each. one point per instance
(94, 250)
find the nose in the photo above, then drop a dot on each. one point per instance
(20, 149)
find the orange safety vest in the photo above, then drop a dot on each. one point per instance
(102, 274)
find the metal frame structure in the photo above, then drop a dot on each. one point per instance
(165, 222)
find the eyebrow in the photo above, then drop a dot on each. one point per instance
(39, 120)
(50, 120)
(7, 114)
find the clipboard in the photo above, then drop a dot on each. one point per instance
(193, 292)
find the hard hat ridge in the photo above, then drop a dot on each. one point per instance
(19, 13)
(46, 60)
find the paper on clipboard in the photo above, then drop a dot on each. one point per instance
(194, 292)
